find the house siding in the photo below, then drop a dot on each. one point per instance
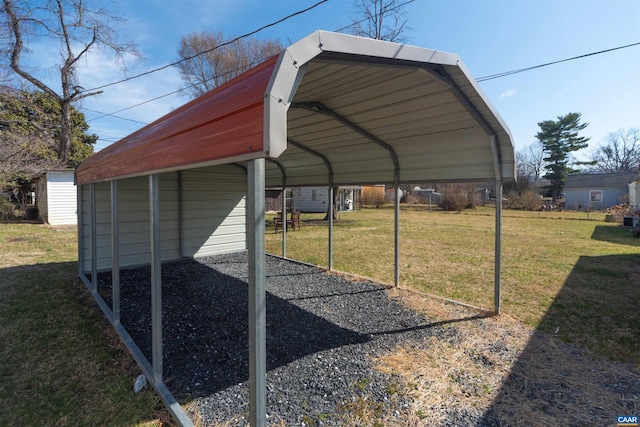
(614, 188)
(311, 199)
(579, 199)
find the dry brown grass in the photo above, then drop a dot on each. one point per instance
(497, 364)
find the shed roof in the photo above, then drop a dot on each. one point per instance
(600, 180)
(331, 108)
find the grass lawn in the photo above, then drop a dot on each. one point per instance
(565, 271)
(61, 364)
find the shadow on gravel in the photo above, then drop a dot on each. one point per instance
(205, 321)
(557, 383)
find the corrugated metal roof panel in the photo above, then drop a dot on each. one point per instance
(224, 124)
(363, 104)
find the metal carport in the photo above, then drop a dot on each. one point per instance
(331, 110)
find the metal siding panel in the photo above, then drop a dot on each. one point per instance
(103, 225)
(133, 201)
(86, 232)
(214, 211)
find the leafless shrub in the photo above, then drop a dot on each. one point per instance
(415, 199)
(373, 196)
(457, 197)
(527, 201)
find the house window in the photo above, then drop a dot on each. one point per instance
(595, 196)
(313, 195)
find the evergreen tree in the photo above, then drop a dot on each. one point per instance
(559, 139)
(29, 134)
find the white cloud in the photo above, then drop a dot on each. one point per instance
(508, 94)
(100, 69)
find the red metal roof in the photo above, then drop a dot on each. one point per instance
(372, 110)
(225, 123)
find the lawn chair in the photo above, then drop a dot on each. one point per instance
(277, 222)
(294, 221)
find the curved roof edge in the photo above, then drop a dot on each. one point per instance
(289, 71)
(246, 118)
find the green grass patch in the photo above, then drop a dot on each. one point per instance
(569, 270)
(61, 364)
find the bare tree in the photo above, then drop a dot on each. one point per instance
(211, 60)
(22, 154)
(535, 160)
(619, 152)
(381, 20)
(77, 29)
(530, 162)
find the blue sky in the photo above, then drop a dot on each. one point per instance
(491, 36)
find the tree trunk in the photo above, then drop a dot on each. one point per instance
(335, 206)
(65, 133)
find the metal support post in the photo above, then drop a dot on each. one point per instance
(115, 252)
(284, 219)
(498, 250)
(180, 216)
(330, 214)
(257, 294)
(396, 231)
(156, 279)
(94, 239)
(80, 214)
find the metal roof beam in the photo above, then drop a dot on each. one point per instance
(318, 107)
(243, 167)
(478, 117)
(282, 170)
(315, 153)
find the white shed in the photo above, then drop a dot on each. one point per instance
(316, 199)
(56, 197)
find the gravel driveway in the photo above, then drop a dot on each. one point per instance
(322, 331)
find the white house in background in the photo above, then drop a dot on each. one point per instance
(598, 190)
(316, 199)
(634, 194)
(56, 197)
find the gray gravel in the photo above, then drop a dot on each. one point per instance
(322, 331)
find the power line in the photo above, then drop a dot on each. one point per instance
(481, 79)
(209, 50)
(112, 115)
(521, 70)
(175, 91)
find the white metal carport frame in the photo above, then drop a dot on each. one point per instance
(297, 98)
